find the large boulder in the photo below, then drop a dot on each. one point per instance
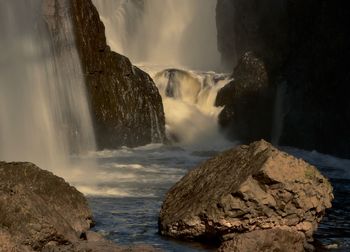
(41, 212)
(126, 106)
(247, 101)
(249, 191)
(38, 208)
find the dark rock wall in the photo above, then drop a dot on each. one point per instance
(247, 101)
(125, 102)
(126, 106)
(318, 106)
(304, 44)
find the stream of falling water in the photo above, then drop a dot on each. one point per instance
(44, 115)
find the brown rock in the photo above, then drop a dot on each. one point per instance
(126, 106)
(277, 240)
(41, 212)
(245, 189)
(37, 207)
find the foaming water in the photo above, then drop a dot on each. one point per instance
(44, 115)
(163, 32)
(190, 113)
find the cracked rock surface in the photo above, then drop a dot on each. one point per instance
(247, 189)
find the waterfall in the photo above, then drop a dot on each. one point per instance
(44, 114)
(173, 35)
(188, 98)
(177, 33)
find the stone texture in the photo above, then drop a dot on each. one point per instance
(277, 240)
(41, 212)
(246, 189)
(37, 207)
(126, 106)
(306, 46)
(247, 101)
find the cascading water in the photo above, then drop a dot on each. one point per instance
(179, 33)
(158, 34)
(44, 115)
(188, 99)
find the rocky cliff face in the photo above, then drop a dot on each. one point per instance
(125, 103)
(304, 44)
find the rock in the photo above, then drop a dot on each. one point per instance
(254, 188)
(277, 240)
(126, 106)
(41, 212)
(247, 101)
(306, 45)
(37, 207)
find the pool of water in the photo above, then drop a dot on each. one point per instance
(134, 182)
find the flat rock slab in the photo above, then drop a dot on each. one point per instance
(245, 189)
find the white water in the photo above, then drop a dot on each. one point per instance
(179, 33)
(190, 114)
(44, 115)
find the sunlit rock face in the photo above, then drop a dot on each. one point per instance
(243, 190)
(126, 106)
(305, 46)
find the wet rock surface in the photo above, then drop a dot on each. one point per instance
(254, 188)
(126, 106)
(247, 101)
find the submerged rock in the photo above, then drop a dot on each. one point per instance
(247, 101)
(126, 106)
(248, 189)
